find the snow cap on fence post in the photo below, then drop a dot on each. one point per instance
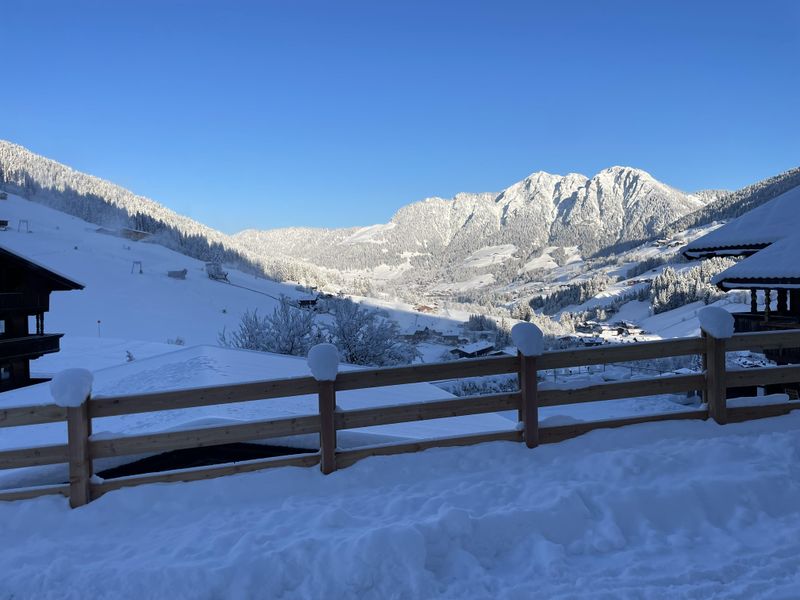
(716, 322)
(71, 387)
(323, 360)
(528, 339)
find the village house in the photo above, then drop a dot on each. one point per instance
(473, 350)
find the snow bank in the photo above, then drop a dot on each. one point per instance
(716, 322)
(685, 509)
(71, 387)
(323, 360)
(528, 339)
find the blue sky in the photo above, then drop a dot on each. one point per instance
(334, 113)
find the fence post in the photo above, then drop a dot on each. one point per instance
(529, 407)
(717, 326)
(327, 427)
(323, 359)
(72, 389)
(530, 343)
(79, 428)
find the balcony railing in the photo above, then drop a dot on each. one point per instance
(31, 346)
(759, 321)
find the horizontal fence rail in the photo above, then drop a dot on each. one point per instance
(82, 448)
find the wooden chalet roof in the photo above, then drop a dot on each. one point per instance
(753, 231)
(55, 280)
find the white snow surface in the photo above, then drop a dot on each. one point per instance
(686, 509)
(765, 224)
(528, 339)
(323, 360)
(71, 387)
(716, 322)
(490, 255)
(776, 261)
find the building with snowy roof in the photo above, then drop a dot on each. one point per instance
(25, 288)
(753, 231)
(769, 239)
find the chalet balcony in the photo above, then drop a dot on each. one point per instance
(758, 321)
(29, 347)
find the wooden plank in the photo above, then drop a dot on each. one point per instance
(771, 340)
(748, 413)
(421, 411)
(327, 427)
(550, 435)
(714, 394)
(763, 376)
(472, 367)
(220, 394)
(208, 472)
(33, 457)
(349, 457)
(614, 353)
(207, 436)
(667, 384)
(79, 428)
(32, 415)
(33, 492)
(529, 402)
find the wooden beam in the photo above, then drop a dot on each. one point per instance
(349, 457)
(560, 433)
(32, 415)
(748, 413)
(765, 340)
(207, 436)
(613, 353)
(763, 376)
(614, 390)
(33, 457)
(33, 492)
(421, 411)
(472, 367)
(219, 394)
(79, 429)
(208, 472)
(327, 427)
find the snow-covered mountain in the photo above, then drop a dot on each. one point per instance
(618, 206)
(102, 202)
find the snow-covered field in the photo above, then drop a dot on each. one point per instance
(667, 510)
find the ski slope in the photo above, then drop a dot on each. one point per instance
(149, 306)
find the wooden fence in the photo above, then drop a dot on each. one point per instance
(82, 449)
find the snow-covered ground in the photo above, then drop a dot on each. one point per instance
(666, 510)
(119, 302)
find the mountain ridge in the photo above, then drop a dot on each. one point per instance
(617, 205)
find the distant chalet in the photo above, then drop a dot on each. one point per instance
(25, 288)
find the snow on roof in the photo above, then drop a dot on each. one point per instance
(761, 226)
(68, 283)
(476, 347)
(777, 262)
